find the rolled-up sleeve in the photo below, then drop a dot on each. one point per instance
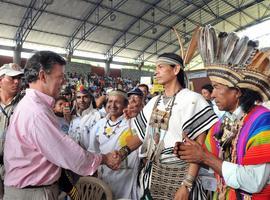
(250, 178)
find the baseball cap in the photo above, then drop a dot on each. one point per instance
(11, 69)
(135, 91)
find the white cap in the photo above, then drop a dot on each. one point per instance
(108, 90)
(11, 69)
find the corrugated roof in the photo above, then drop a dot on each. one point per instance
(125, 28)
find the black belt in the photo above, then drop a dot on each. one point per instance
(37, 186)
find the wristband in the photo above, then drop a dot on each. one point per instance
(189, 178)
(189, 187)
(124, 152)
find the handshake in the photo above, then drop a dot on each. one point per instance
(112, 160)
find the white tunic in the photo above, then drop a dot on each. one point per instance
(190, 114)
(123, 181)
(80, 126)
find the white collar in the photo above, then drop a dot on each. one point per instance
(236, 115)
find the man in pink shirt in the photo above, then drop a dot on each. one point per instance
(35, 148)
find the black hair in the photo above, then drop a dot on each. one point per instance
(24, 84)
(41, 60)
(181, 76)
(208, 87)
(91, 96)
(61, 98)
(93, 101)
(248, 99)
(144, 85)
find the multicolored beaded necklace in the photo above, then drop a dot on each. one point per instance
(109, 130)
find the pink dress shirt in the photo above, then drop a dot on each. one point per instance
(36, 149)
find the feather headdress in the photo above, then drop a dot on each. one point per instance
(234, 61)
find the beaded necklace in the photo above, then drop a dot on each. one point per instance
(228, 149)
(160, 119)
(108, 128)
(159, 123)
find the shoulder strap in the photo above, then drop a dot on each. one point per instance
(14, 102)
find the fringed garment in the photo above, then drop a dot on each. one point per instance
(159, 126)
(253, 147)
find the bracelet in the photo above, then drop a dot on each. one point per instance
(189, 187)
(189, 178)
(124, 152)
(187, 183)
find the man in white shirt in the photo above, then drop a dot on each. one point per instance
(110, 134)
(85, 118)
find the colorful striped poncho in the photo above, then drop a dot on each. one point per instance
(253, 145)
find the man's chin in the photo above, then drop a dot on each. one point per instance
(83, 107)
(220, 108)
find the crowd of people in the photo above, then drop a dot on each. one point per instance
(59, 127)
(98, 84)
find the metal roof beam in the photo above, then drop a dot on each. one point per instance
(211, 12)
(91, 23)
(148, 46)
(258, 20)
(81, 26)
(240, 10)
(9, 48)
(93, 28)
(173, 13)
(266, 9)
(168, 14)
(213, 22)
(29, 19)
(110, 49)
(124, 13)
(62, 35)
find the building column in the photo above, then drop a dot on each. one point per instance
(69, 56)
(140, 65)
(17, 54)
(107, 67)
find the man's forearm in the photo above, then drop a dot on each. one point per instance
(132, 144)
(194, 168)
(212, 161)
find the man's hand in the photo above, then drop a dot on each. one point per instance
(182, 193)
(112, 160)
(190, 151)
(130, 112)
(133, 108)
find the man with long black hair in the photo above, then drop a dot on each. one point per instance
(160, 124)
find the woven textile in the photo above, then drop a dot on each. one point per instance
(166, 180)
